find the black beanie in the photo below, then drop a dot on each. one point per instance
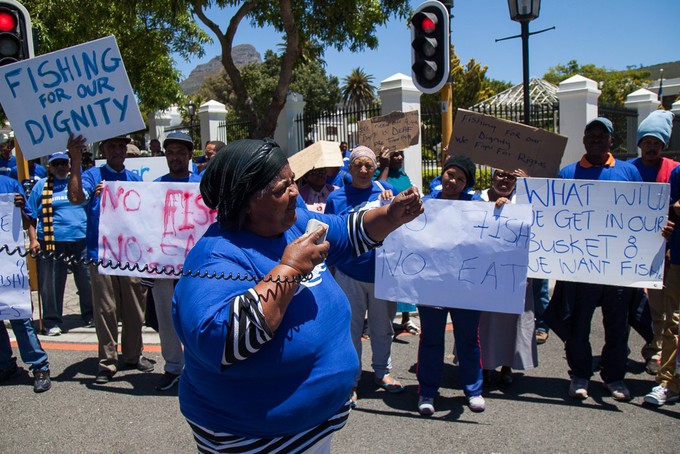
(239, 170)
(466, 165)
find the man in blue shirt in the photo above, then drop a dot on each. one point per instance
(30, 349)
(7, 161)
(61, 228)
(178, 152)
(112, 295)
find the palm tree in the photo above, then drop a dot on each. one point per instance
(358, 89)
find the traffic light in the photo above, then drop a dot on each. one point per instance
(16, 34)
(430, 46)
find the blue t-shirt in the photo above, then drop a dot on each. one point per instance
(192, 178)
(7, 164)
(348, 199)
(91, 178)
(463, 196)
(297, 380)
(620, 171)
(36, 172)
(69, 220)
(11, 186)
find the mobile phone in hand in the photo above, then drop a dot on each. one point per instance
(312, 225)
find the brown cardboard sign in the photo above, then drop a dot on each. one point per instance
(318, 155)
(396, 131)
(506, 145)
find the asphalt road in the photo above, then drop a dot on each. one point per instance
(533, 415)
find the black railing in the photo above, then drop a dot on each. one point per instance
(228, 131)
(625, 130)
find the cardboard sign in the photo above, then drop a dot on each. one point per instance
(396, 131)
(154, 224)
(506, 145)
(82, 90)
(459, 254)
(318, 155)
(601, 232)
(15, 294)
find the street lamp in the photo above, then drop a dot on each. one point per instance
(524, 11)
(191, 111)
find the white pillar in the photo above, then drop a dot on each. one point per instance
(158, 121)
(645, 102)
(398, 93)
(578, 105)
(210, 115)
(286, 133)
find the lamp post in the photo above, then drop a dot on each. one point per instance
(524, 11)
(191, 111)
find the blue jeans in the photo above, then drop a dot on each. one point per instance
(30, 349)
(52, 279)
(541, 299)
(431, 349)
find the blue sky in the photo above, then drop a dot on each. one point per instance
(613, 34)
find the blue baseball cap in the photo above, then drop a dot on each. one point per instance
(604, 122)
(58, 155)
(180, 138)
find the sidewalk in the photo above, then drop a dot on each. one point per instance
(73, 330)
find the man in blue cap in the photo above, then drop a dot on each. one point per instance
(580, 299)
(61, 229)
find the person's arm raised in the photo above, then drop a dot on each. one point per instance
(405, 207)
(75, 183)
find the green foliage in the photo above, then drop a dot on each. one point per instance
(147, 32)
(483, 178)
(615, 85)
(358, 89)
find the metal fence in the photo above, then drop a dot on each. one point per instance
(335, 126)
(233, 130)
(625, 130)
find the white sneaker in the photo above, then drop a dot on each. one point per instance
(660, 395)
(578, 388)
(425, 405)
(476, 403)
(54, 331)
(618, 390)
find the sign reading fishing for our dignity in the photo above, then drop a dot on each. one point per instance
(396, 131)
(150, 224)
(15, 294)
(81, 90)
(600, 232)
(506, 145)
(460, 254)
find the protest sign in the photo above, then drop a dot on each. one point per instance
(600, 232)
(149, 168)
(318, 155)
(83, 90)
(154, 224)
(15, 294)
(506, 145)
(459, 254)
(396, 131)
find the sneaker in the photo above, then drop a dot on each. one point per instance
(660, 395)
(652, 366)
(578, 388)
(103, 377)
(143, 365)
(54, 331)
(541, 336)
(89, 324)
(618, 390)
(425, 405)
(41, 381)
(7, 374)
(167, 381)
(506, 376)
(476, 403)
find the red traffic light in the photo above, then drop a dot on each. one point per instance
(8, 21)
(428, 24)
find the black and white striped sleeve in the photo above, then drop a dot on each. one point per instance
(248, 330)
(358, 238)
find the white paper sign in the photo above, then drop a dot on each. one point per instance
(154, 224)
(15, 294)
(83, 89)
(149, 168)
(458, 254)
(602, 232)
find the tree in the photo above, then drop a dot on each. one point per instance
(342, 24)
(358, 90)
(147, 32)
(320, 91)
(615, 85)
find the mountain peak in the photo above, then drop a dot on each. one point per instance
(242, 55)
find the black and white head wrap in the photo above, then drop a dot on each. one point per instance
(239, 170)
